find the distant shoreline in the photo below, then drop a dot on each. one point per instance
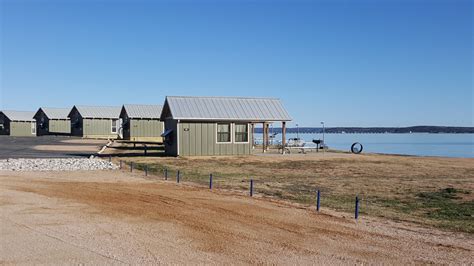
(376, 130)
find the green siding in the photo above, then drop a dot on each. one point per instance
(146, 128)
(98, 128)
(60, 126)
(21, 129)
(200, 140)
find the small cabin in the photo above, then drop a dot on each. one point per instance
(204, 126)
(142, 122)
(52, 121)
(98, 122)
(17, 123)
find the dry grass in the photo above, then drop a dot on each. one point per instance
(430, 191)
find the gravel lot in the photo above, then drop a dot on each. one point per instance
(48, 147)
(66, 164)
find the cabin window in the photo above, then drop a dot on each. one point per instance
(114, 125)
(241, 133)
(33, 128)
(223, 133)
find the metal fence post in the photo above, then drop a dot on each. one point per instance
(146, 170)
(210, 181)
(356, 214)
(166, 173)
(318, 201)
(251, 187)
(177, 177)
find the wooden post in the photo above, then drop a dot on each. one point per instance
(264, 136)
(253, 135)
(268, 135)
(267, 142)
(283, 137)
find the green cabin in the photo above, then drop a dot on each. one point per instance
(209, 126)
(52, 121)
(142, 122)
(17, 123)
(97, 122)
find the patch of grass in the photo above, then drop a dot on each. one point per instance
(446, 204)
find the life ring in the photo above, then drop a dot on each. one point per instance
(356, 148)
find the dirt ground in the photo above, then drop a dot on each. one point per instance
(429, 191)
(117, 217)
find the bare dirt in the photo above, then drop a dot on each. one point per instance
(114, 217)
(430, 191)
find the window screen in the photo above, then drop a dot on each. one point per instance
(241, 133)
(223, 132)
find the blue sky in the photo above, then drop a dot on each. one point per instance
(348, 63)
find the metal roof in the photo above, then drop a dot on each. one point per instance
(99, 111)
(227, 108)
(143, 111)
(19, 115)
(55, 113)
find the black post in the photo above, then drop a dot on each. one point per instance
(318, 201)
(131, 166)
(146, 170)
(210, 181)
(177, 177)
(356, 214)
(166, 173)
(251, 187)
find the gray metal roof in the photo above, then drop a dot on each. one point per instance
(227, 108)
(99, 111)
(143, 111)
(19, 115)
(56, 113)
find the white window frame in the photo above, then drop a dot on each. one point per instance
(230, 132)
(248, 134)
(33, 128)
(112, 126)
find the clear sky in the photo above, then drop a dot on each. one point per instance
(348, 63)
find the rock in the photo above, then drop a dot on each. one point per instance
(63, 164)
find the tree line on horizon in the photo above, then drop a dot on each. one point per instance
(351, 130)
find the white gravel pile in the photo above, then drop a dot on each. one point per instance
(66, 164)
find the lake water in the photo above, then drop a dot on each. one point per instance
(422, 144)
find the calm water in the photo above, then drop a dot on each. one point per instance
(446, 145)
